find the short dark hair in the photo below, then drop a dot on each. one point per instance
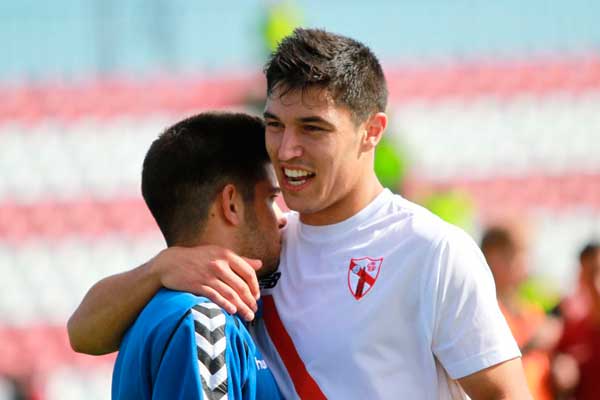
(589, 250)
(345, 67)
(496, 237)
(191, 162)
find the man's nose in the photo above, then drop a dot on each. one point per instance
(281, 218)
(290, 146)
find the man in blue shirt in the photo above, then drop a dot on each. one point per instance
(206, 180)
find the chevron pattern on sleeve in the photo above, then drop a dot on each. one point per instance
(209, 325)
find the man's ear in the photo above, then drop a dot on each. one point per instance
(232, 205)
(374, 128)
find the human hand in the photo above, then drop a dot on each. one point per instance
(213, 272)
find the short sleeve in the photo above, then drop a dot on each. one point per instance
(211, 356)
(469, 331)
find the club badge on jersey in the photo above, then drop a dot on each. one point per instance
(362, 274)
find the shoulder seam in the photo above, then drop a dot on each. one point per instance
(164, 350)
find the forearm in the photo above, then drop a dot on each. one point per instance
(109, 308)
(504, 381)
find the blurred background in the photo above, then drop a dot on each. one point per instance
(495, 110)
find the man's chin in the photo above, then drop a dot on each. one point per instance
(295, 201)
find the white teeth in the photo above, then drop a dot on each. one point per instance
(295, 173)
(296, 183)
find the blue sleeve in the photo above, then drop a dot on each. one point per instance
(209, 355)
(178, 376)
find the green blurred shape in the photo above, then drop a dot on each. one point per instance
(540, 292)
(282, 18)
(454, 207)
(390, 165)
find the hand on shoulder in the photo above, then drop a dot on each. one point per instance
(217, 273)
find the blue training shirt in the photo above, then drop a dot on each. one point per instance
(185, 347)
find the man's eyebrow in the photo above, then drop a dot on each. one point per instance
(315, 119)
(267, 114)
(304, 120)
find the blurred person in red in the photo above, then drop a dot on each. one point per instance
(505, 250)
(576, 366)
(20, 387)
(576, 305)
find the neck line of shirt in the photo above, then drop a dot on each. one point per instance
(325, 233)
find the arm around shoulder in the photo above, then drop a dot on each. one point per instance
(109, 308)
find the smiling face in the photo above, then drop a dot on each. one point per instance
(322, 158)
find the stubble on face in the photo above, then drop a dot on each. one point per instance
(256, 243)
(260, 235)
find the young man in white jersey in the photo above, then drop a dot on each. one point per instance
(375, 297)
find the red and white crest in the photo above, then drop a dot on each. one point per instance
(362, 274)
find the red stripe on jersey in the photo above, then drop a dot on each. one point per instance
(305, 385)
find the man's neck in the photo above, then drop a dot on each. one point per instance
(348, 206)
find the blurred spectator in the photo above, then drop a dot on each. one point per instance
(576, 367)
(280, 20)
(576, 306)
(505, 250)
(453, 206)
(12, 388)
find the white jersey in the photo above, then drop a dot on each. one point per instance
(392, 303)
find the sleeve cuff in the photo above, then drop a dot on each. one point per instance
(480, 362)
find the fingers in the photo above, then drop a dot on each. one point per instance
(247, 271)
(217, 273)
(226, 296)
(235, 282)
(254, 263)
(215, 297)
